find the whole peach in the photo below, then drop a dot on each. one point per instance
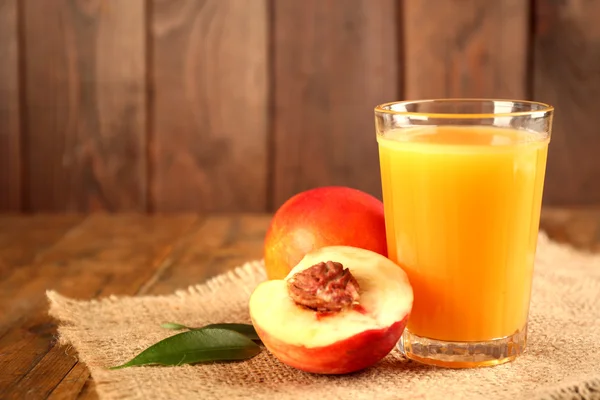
(324, 216)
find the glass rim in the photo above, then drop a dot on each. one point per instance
(544, 108)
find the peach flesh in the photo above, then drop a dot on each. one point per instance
(324, 216)
(342, 342)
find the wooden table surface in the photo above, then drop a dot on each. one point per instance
(99, 255)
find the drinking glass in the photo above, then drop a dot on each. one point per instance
(462, 183)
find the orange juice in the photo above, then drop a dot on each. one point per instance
(462, 209)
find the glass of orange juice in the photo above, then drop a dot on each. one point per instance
(462, 184)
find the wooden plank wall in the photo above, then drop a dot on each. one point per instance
(235, 105)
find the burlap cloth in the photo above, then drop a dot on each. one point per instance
(562, 360)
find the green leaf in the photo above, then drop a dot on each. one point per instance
(174, 326)
(197, 346)
(244, 329)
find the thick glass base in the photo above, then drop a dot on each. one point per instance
(463, 354)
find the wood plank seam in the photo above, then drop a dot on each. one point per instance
(78, 382)
(60, 381)
(271, 107)
(75, 361)
(529, 83)
(34, 364)
(23, 126)
(150, 134)
(69, 232)
(169, 260)
(401, 55)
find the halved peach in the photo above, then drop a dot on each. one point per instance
(335, 342)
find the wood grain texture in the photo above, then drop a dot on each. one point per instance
(22, 241)
(219, 244)
(85, 98)
(209, 248)
(104, 255)
(10, 126)
(567, 75)
(88, 392)
(466, 48)
(72, 384)
(44, 376)
(23, 238)
(334, 61)
(209, 119)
